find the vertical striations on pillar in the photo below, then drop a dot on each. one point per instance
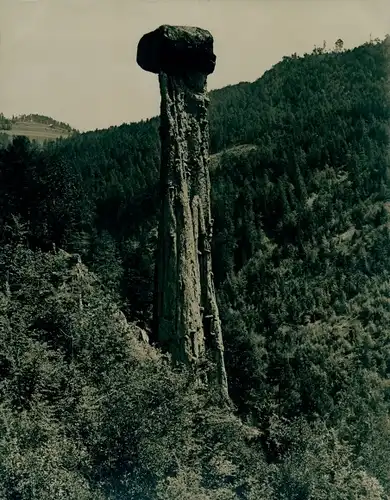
(186, 313)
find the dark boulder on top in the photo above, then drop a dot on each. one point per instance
(177, 50)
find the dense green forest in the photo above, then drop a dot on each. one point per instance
(301, 257)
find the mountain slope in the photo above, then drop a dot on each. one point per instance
(300, 193)
(36, 127)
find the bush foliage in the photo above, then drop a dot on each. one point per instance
(300, 198)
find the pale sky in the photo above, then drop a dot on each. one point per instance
(74, 60)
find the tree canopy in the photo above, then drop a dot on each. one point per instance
(301, 257)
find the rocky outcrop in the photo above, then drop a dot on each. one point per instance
(177, 50)
(186, 313)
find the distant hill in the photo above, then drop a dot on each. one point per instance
(36, 127)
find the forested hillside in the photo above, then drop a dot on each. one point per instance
(301, 255)
(35, 127)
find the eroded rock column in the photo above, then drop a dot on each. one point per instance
(186, 314)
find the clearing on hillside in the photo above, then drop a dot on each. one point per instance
(36, 127)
